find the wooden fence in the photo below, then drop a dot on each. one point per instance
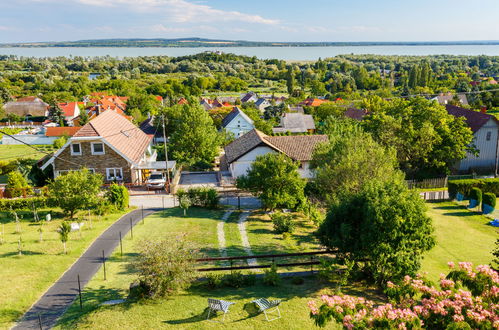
(270, 258)
(435, 195)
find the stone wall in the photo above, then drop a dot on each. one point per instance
(99, 163)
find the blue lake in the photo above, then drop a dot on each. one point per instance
(283, 53)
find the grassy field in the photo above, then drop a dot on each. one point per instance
(9, 152)
(187, 310)
(25, 277)
(462, 235)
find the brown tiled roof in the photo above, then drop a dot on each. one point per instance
(297, 147)
(474, 119)
(118, 132)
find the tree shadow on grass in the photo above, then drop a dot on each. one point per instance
(16, 253)
(9, 315)
(91, 301)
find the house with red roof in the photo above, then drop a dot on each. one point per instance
(485, 130)
(71, 110)
(110, 145)
(311, 102)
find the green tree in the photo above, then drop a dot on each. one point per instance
(56, 114)
(290, 80)
(414, 76)
(195, 139)
(83, 118)
(349, 161)
(427, 140)
(76, 190)
(383, 228)
(142, 103)
(274, 178)
(64, 230)
(17, 184)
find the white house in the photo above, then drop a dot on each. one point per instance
(262, 103)
(249, 97)
(237, 122)
(485, 130)
(242, 152)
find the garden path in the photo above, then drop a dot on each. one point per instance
(244, 237)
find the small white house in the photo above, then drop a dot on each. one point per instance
(485, 130)
(237, 122)
(262, 103)
(242, 152)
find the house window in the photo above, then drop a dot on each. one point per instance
(97, 148)
(75, 149)
(114, 174)
(489, 135)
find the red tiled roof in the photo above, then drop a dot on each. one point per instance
(68, 108)
(312, 102)
(60, 131)
(118, 132)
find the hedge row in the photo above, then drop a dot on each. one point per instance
(465, 186)
(22, 203)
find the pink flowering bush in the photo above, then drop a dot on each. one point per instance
(467, 298)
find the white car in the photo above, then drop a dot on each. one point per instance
(156, 181)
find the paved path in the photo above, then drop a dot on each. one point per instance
(244, 237)
(62, 293)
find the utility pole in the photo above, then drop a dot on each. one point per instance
(166, 153)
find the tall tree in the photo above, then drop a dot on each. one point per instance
(427, 139)
(290, 80)
(274, 178)
(76, 190)
(349, 161)
(414, 76)
(383, 228)
(194, 139)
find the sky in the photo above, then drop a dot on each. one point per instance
(256, 20)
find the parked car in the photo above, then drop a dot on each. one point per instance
(156, 181)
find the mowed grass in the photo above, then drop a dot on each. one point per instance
(10, 152)
(187, 309)
(461, 234)
(24, 278)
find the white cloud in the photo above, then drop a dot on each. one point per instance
(178, 11)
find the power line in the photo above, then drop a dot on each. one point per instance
(40, 151)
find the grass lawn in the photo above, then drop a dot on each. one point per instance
(186, 310)
(462, 235)
(9, 152)
(24, 278)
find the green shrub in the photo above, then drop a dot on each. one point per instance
(23, 203)
(17, 184)
(234, 280)
(201, 197)
(214, 281)
(465, 186)
(476, 194)
(118, 196)
(283, 223)
(103, 207)
(60, 142)
(489, 199)
(166, 266)
(271, 277)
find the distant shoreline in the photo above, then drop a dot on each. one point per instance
(208, 43)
